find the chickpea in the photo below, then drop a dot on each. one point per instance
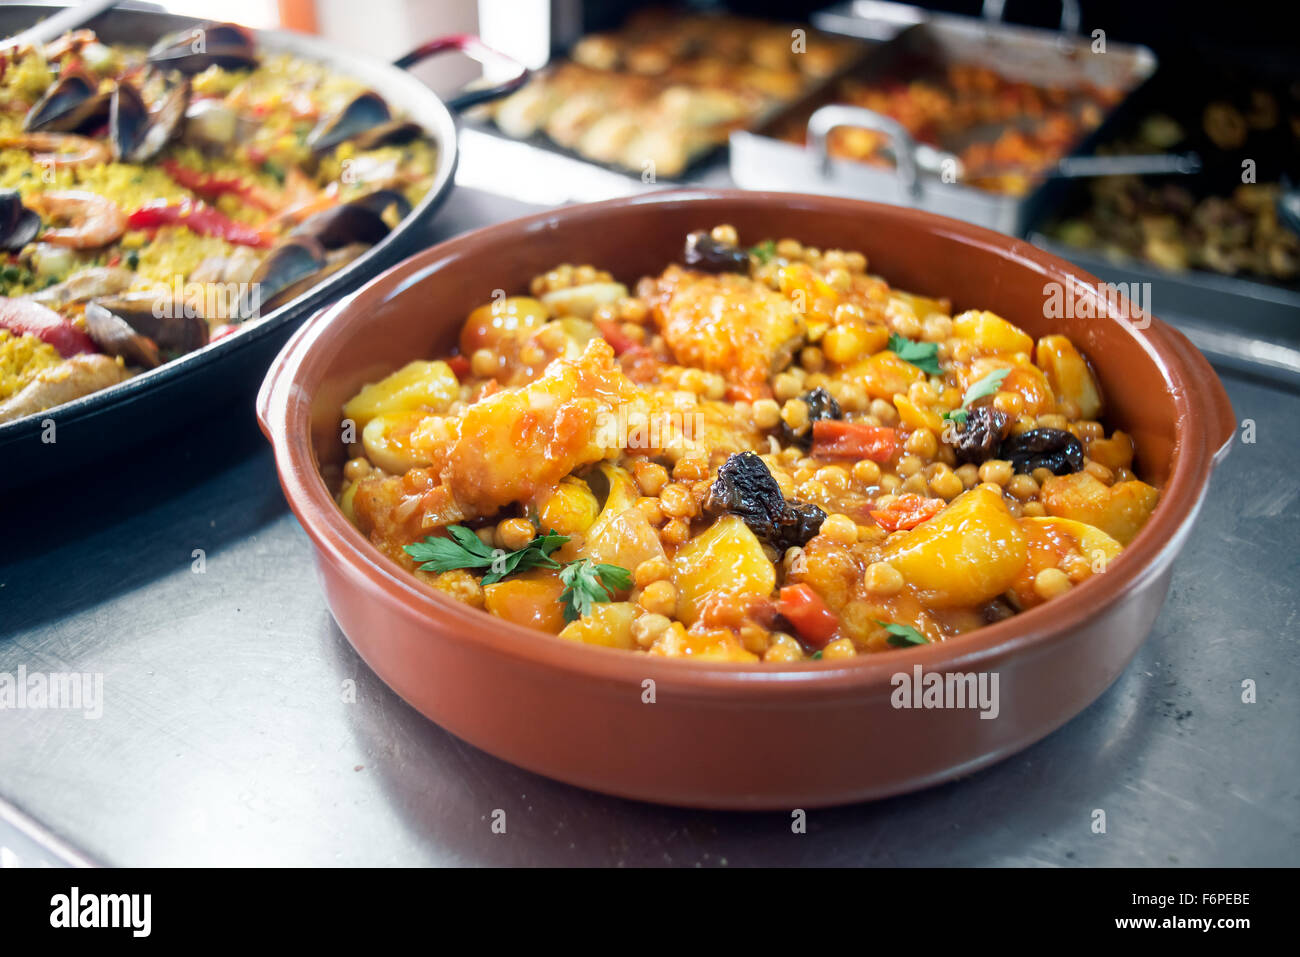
(890, 483)
(485, 535)
(884, 411)
(923, 443)
(651, 477)
(648, 628)
(945, 483)
(1036, 509)
(725, 234)
(1023, 487)
(866, 472)
(677, 501)
(882, 578)
(659, 598)
(649, 507)
(633, 310)
(1041, 475)
(969, 474)
(691, 468)
(833, 477)
(1051, 583)
(936, 327)
(652, 570)
(795, 414)
(840, 528)
(1100, 471)
(781, 653)
(853, 397)
(1009, 403)
(786, 386)
(839, 279)
(907, 325)
(848, 313)
(676, 532)
(855, 262)
(356, 469)
(839, 648)
(789, 249)
(914, 484)
(996, 471)
(1053, 421)
(909, 465)
(515, 533)
(483, 364)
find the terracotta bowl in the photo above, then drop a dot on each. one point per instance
(738, 736)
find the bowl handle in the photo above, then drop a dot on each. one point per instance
(1207, 391)
(475, 49)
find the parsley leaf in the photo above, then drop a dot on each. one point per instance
(902, 636)
(588, 583)
(765, 251)
(923, 355)
(816, 655)
(464, 549)
(984, 387)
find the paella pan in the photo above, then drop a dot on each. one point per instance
(172, 192)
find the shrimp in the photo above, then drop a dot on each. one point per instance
(93, 220)
(60, 150)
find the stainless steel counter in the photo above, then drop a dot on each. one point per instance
(230, 733)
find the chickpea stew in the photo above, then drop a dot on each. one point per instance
(760, 454)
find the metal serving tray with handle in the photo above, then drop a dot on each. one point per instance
(760, 160)
(160, 399)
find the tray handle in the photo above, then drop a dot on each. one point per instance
(832, 117)
(1070, 15)
(475, 49)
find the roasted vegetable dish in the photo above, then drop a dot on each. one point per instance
(665, 89)
(152, 201)
(1004, 133)
(762, 453)
(1247, 132)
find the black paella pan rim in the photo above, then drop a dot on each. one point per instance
(146, 404)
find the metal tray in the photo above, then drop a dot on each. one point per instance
(759, 160)
(1243, 322)
(481, 121)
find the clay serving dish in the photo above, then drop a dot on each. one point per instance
(738, 736)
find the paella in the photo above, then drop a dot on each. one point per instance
(155, 200)
(761, 453)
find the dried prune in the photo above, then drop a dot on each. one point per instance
(1053, 449)
(980, 436)
(745, 487)
(705, 253)
(821, 405)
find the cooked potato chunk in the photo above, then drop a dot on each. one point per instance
(968, 554)
(431, 386)
(1069, 375)
(725, 558)
(609, 625)
(1119, 510)
(990, 332)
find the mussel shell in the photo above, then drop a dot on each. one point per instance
(138, 136)
(289, 269)
(128, 121)
(358, 221)
(115, 336)
(364, 113)
(226, 45)
(175, 327)
(72, 103)
(394, 132)
(18, 224)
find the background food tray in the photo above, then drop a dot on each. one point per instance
(760, 160)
